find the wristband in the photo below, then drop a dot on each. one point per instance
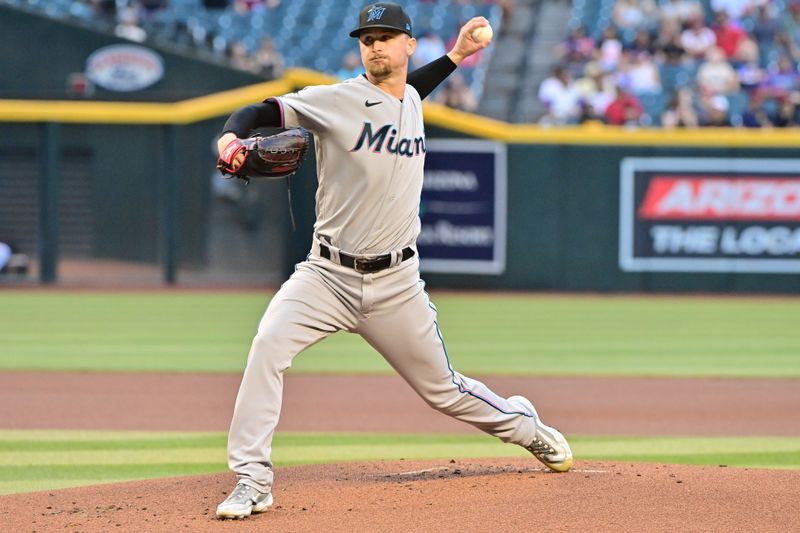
(228, 155)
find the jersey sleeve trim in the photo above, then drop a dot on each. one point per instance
(280, 108)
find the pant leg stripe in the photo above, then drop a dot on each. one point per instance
(461, 388)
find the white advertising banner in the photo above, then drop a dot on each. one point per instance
(709, 215)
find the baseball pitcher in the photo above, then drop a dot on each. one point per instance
(362, 272)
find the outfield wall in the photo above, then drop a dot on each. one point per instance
(564, 227)
(563, 219)
(140, 174)
(110, 156)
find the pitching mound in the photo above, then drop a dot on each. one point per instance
(465, 495)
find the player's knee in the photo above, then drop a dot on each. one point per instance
(267, 352)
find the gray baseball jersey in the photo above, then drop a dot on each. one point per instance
(370, 151)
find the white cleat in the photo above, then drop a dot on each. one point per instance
(549, 445)
(244, 501)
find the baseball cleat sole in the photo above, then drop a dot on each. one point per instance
(549, 446)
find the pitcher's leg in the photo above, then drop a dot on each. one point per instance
(408, 337)
(304, 311)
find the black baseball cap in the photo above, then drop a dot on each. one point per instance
(383, 15)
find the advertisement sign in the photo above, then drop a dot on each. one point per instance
(710, 215)
(124, 67)
(463, 207)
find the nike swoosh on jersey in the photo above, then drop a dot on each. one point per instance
(370, 104)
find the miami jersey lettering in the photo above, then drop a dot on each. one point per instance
(406, 146)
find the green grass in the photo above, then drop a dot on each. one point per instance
(43, 460)
(493, 334)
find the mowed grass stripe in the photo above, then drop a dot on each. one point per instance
(485, 334)
(61, 441)
(112, 444)
(609, 446)
(32, 460)
(759, 459)
(114, 457)
(756, 452)
(103, 472)
(35, 485)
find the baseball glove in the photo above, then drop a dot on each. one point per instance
(274, 156)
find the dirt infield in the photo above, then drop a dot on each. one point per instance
(471, 495)
(464, 495)
(587, 406)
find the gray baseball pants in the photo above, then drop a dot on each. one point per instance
(392, 312)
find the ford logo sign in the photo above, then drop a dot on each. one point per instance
(124, 67)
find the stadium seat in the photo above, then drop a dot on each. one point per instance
(674, 76)
(654, 105)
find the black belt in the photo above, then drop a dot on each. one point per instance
(363, 264)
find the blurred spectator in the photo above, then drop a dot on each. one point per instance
(781, 80)
(624, 110)
(216, 4)
(609, 49)
(786, 46)
(456, 94)
(267, 60)
(696, 39)
(791, 23)
(747, 52)
(596, 90)
(633, 14)
(786, 115)
(577, 48)
(249, 6)
(588, 114)
(736, 9)
(351, 66)
(642, 42)
(751, 75)
(11, 261)
(715, 111)
(681, 10)
(643, 75)
(104, 8)
(680, 112)
(728, 34)
(239, 57)
(561, 97)
(128, 25)
(5, 255)
(755, 116)
(716, 75)
(668, 45)
(151, 7)
(506, 10)
(765, 27)
(429, 48)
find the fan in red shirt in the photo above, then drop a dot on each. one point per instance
(729, 33)
(625, 109)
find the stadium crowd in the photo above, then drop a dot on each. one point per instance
(131, 20)
(667, 63)
(680, 63)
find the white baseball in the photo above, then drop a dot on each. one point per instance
(482, 33)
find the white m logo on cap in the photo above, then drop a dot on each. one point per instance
(375, 13)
